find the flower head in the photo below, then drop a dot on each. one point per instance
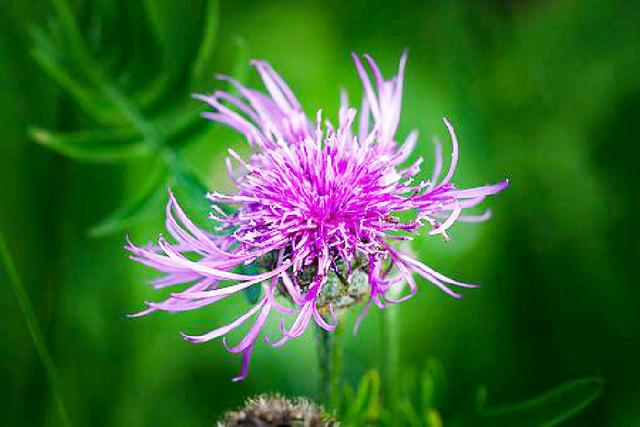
(316, 209)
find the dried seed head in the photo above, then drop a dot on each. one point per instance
(275, 410)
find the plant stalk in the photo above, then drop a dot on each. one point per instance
(329, 351)
(390, 356)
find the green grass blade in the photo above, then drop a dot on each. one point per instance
(34, 329)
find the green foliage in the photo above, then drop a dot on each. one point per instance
(98, 146)
(423, 395)
(548, 409)
(133, 99)
(362, 406)
(425, 402)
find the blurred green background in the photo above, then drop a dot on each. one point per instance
(543, 92)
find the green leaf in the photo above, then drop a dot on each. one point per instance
(103, 66)
(406, 413)
(364, 406)
(75, 43)
(96, 146)
(178, 42)
(433, 384)
(90, 101)
(183, 124)
(203, 64)
(131, 212)
(549, 409)
(432, 418)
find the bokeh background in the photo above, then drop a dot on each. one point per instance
(546, 93)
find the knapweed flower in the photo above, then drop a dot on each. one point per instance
(275, 410)
(318, 208)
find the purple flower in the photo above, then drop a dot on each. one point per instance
(316, 211)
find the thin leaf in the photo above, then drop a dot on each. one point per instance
(407, 412)
(373, 405)
(433, 384)
(364, 406)
(74, 39)
(89, 101)
(131, 213)
(95, 146)
(120, 100)
(202, 65)
(178, 42)
(549, 409)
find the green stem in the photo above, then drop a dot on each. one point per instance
(34, 329)
(147, 129)
(390, 356)
(330, 364)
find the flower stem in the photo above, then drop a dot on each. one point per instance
(34, 329)
(330, 363)
(390, 356)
